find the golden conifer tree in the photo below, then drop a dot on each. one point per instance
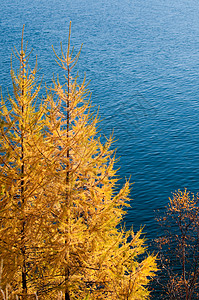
(178, 247)
(89, 252)
(21, 177)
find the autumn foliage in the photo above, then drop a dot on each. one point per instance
(60, 207)
(179, 247)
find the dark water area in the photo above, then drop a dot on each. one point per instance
(142, 58)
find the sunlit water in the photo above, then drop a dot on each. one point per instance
(142, 58)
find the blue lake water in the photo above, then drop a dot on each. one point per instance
(142, 58)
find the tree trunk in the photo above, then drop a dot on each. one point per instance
(23, 248)
(67, 297)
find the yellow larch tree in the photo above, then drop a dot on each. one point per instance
(21, 178)
(89, 253)
(178, 247)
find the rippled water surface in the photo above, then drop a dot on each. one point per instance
(142, 58)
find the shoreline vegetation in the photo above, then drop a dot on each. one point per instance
(61, 212)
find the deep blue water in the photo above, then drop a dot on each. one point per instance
(142, 58)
